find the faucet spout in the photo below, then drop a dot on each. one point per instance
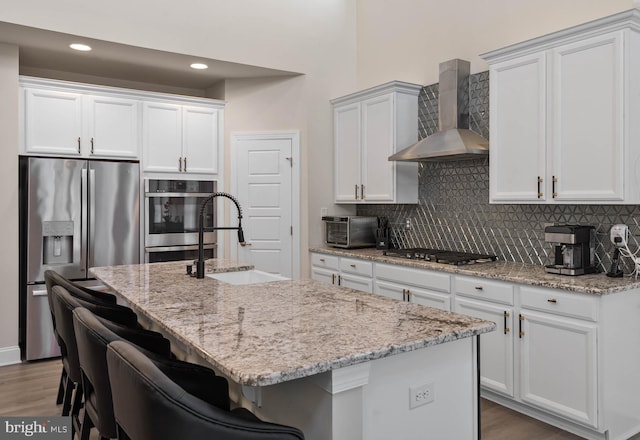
(200, 262)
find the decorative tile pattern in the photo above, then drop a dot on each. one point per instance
(454, 211)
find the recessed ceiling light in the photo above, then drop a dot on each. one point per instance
(80, 47)
(199, 66)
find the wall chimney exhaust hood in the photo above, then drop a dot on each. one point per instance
(454, 140)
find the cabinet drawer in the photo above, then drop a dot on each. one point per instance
(416, 277)
(484, 289)
(358, 267)
(575, 305)
(326, 261)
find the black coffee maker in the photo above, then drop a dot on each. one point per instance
(573, 249)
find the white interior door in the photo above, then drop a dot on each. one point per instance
(266, 166)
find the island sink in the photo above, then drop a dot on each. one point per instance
(243, 277)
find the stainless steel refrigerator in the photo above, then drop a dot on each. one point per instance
(74, 214)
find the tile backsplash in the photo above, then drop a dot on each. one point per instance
(454, 213)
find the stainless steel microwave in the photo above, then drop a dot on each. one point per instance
(350, 231)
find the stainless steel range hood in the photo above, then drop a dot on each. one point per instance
(454, 140)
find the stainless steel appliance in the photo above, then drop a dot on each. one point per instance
(453, 140)
(172, 208)
(441, 256)
(573, 249)
(74, 214)
(350, 231)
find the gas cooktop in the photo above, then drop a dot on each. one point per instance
(440, 256)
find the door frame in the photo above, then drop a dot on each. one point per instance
(294, 137)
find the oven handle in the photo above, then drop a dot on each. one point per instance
(178, 248)
(170, 194)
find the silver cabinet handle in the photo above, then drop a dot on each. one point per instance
(78, 145)
(552, 300)
(185, 164)
(356, 191)
(353, 265)
(479, 288)
(180, 164)
(361, 192)
(91, 145)
(322, 260)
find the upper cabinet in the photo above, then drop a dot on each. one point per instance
(368, 127)
(563, 108)
(181, 138)
(71, 122)
(178, 134)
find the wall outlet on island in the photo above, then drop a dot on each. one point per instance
(421, 395)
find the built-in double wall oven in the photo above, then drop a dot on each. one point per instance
(172, 208)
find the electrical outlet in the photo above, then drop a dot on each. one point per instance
(421, 395)
(408, 223)
(323, 212)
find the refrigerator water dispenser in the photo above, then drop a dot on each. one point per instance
(57, 246)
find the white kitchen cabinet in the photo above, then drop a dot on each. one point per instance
(558, 358)
(419, 286)
(563, 111)
(369, 126)
(556, 328)
(341, 271)
(76, 122)
(181, 138)
(491, 301)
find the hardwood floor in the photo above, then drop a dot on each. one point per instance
(30, 389)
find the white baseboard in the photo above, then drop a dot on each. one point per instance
(9, 355)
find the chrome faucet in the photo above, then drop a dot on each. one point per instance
(200, 262)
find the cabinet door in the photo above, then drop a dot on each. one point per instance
(162, 137)
(112, 126)
(558, 360)
(587, 114)
(323, 275)
(496, 348)
(347, 163)
(378, 180)
(53, 122)
(518, 129)
(390, 290)
(429, 299)
(200, 140)
(356, 282)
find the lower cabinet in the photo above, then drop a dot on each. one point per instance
(425, 287)
(491, 301)
(496, 348)
(347, 272)
(558, 341)
(568, 358)
(549, 358)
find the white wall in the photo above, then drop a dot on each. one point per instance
(9, 351)
(409, 41)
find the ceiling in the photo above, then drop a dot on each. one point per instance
(42, 50)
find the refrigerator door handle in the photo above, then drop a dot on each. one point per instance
(92, 215)
(83, 215)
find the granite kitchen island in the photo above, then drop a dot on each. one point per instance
(337, 363)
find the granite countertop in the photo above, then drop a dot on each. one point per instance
(263, 334)
(598, 284)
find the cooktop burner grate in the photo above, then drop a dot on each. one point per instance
(440, 256)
